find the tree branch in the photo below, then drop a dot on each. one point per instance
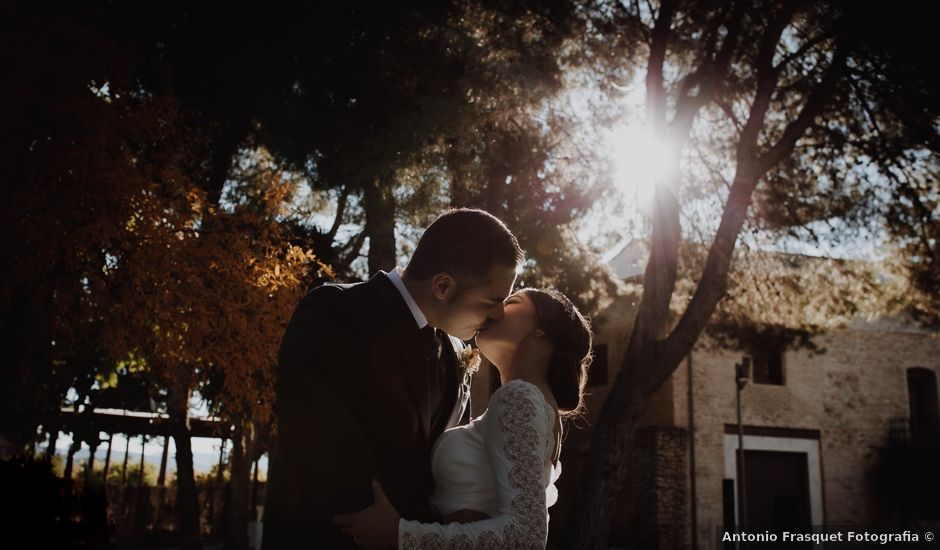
(647, 31)
(808, 45)
(635, 16)
(709, 74)
(729, 112)
(661, 270)
(649, 6)
(655, 89)
(355, 246)
(766, 83)
(340, 211)
(705, 57)
(714, 281)
(817, 99)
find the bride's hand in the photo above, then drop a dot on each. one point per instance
(374, 527)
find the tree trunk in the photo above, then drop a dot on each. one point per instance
(107, 459)
(92, 449)
(161, 481)
(253, 510)
(73, 448)
(187, 500)
(220, 471)
(142, 508)
(217, 487)
(606, 469)
(67, 475)
(50, 450)
(641, 372)
(224, 148)
(143, 454)
(654, 352)
(379, 204)
(127, 453)
(243, 447)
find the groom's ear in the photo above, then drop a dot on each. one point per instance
(443, 286)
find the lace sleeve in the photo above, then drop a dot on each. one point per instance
(516, 437)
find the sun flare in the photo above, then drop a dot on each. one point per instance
(639, 161)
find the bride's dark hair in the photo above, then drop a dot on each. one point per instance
(570, 334)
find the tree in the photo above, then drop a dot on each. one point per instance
(62, 193)
(772, 90)
(118, 263)
(204, 295)
(358, 100)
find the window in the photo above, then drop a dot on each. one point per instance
(922, 398)
(767, 361)
(597, 374)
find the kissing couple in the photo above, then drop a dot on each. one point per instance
(375, 444)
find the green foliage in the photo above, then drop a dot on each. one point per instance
(151, 473)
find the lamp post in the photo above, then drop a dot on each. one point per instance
(742, 372)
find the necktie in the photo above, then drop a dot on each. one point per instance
(437, 392)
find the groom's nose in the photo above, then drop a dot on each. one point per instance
(497, 312)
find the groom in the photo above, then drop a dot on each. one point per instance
(368, 379)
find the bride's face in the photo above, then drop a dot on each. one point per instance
(502, 338)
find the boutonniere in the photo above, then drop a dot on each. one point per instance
(469, 359)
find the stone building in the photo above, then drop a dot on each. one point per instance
(823, 435)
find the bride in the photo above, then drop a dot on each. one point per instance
(495, 477)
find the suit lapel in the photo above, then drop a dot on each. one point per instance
(414, 353)
(413, 350)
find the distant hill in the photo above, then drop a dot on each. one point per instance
(202, 462)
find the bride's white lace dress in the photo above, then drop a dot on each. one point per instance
(501, 464)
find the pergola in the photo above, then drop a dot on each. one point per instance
(136, 423)
(140, 424)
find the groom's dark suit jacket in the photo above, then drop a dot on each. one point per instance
(356, 393)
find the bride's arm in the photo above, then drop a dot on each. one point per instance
(516, 439)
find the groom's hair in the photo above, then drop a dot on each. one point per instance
(466, 243)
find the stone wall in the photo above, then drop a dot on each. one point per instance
(849, 394)
(658, 489)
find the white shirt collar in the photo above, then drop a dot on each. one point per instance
(395, 277)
